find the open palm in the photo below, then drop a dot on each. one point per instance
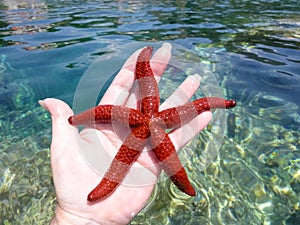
(72, 175)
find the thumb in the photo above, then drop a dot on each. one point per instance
(62, 131)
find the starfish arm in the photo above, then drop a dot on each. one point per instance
(126, 156)
(166, 154)
(107, 114)
(180, 115)
(149, 94)
(213, 103)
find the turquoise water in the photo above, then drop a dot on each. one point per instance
(252, 48)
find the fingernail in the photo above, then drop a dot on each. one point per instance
(196, 78)
(41, 102)
(167, 45)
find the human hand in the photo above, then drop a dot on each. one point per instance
(74, 178)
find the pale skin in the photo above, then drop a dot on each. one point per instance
(74, 178)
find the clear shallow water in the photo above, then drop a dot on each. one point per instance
(251, 46)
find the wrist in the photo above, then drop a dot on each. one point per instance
(63, 217)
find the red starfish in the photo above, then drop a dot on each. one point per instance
(146, 123)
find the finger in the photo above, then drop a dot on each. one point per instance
(180, 137)
(131, 61)
(119, 90)
(183, 93)
(161, 59)
(62, 131)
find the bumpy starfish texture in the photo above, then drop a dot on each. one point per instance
(147, 122)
